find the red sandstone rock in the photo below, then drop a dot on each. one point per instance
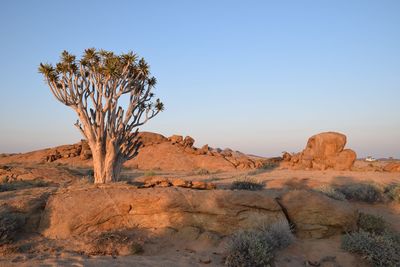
(323, 151)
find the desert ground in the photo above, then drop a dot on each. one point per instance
(178, 205)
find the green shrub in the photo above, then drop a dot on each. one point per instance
(257, 247)
(362, 192)
(331, 192)
(393, 192)
(379, 250)
(247, 184)
(371, 223)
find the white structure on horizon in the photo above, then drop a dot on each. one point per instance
(370, 159)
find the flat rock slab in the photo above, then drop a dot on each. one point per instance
(318, 216)
(77, 211)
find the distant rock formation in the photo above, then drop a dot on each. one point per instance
(157, 152)
(81, 149)
(178, 153)
(323, 151)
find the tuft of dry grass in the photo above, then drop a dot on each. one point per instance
(247, 184)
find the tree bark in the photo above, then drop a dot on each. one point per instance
(107, 162)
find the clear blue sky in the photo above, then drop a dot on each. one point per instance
(257, 76)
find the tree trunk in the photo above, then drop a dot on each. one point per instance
(107, 162)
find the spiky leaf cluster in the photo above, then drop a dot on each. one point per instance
(93, 86)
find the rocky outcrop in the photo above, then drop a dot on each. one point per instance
(176, 153)
(317, 216)
(392, 167)
(81, 150)
(157, 181)
(323, 151)
(97, 209)
(76, 212)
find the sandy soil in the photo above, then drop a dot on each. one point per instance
(183, 251)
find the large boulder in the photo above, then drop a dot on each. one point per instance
(392, 167)
(323, 151)
(318, 216)
(176, 139)
(188, 141)
(95, 209)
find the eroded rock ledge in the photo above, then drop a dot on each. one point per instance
(95, 209)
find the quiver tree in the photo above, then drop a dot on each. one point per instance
(94, 87)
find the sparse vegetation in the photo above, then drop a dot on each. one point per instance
(393, 192)
(257, 247)
(202, 172)
(269, 165)
(255, 172)
(114, 243)
(9, 185)
(150, 173)
(366, 192)
(374, 241)
(9, 225)
(371, 223)
(380, 250)
(331, 192)
(247, 184)
(87, 179)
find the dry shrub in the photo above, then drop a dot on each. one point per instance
(8, 185)
(247, 184)
(202, 172)
(10, 223)
(393, 192)
(113, 243)
(369, 193)
(257, 247)
(331, 192)
(270, 165)
(374, 241)
(371, 223)
(379, 250)
(150, 173)
(267, 166)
